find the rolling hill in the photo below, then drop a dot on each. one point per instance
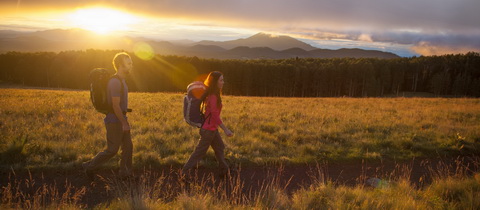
(258, 46)
(262, 40)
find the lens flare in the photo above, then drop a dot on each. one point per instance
(143, 51)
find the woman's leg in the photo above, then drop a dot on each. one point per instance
(219, 148)
(206, 138)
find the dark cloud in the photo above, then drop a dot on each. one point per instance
(425, 14)
(438, 38)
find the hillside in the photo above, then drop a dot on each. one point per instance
(260, 45)
(263, 40)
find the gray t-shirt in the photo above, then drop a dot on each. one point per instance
(114, 89)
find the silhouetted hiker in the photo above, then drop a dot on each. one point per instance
(209, 135)
(116, 123)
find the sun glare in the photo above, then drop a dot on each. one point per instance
(101, 20)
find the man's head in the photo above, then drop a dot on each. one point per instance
(122, 63)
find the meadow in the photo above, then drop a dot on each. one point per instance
(43, 129)
(58, 128)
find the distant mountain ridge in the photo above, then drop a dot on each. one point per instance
(262, 40)
(258, 46)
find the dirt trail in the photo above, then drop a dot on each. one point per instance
(253, 178)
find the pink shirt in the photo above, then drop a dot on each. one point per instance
(212, 113)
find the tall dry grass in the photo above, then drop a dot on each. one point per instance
(452, 188)
(60, 128)
(36, 194)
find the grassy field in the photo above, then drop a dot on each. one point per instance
(455, 191)
(58, 128)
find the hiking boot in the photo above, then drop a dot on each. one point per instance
(89, 173)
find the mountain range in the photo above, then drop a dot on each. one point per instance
(260, 45)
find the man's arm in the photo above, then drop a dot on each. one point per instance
(118, 113)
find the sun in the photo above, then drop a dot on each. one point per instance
(101, 20)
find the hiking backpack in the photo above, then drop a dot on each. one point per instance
(99, 78)
(192, 104)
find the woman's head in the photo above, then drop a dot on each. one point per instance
(214, 82)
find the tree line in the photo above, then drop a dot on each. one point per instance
(453, 75)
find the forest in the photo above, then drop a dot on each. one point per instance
(442, 76)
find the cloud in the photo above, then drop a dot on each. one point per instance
(435, 15)
(365, 37)
(429, 25)
(426, 48)
(450, 25)
(433, 43)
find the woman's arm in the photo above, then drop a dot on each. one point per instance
(227, 131)
(215, 115)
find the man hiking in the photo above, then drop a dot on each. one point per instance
(116, 123)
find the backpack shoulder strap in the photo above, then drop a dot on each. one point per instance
(121, 88)
(121, 82)
(203, 105)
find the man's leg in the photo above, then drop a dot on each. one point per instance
(114, 138)
(127, 150)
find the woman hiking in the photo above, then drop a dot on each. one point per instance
(209, 134)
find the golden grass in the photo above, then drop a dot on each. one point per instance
(450, 191)
(60, 128)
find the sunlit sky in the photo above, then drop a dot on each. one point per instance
(406, 27)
